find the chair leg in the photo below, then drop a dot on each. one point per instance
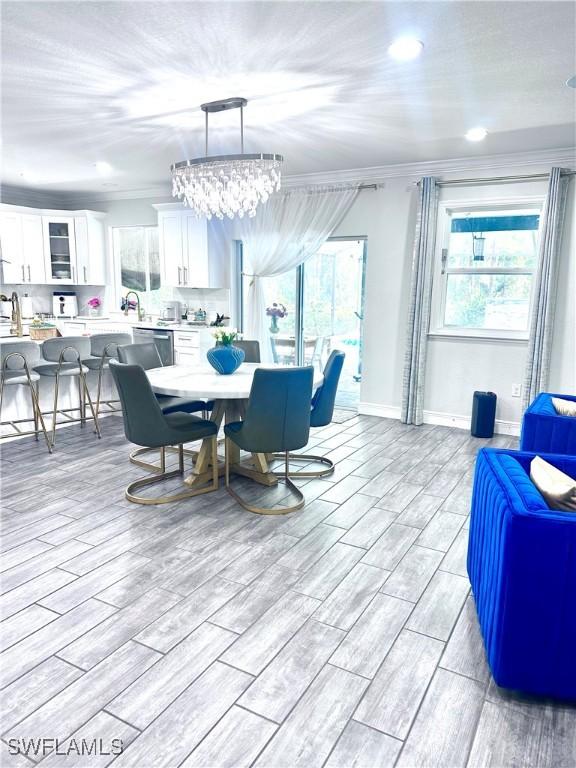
(300, 500)
(81, 403)
(158, 478)
(98, 393)
(307, 458)
(34, 412)
(55, 411)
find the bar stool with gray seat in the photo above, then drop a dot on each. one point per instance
(277, 419)
(321, 415)
(147, 356)
(104, 346)
(63, 358)
(17, 359)
(145, 424)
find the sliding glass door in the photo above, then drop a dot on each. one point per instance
(319, 307)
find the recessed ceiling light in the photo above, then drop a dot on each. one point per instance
(103, 168)
(406, 48)
(476, 134)
(571, 82)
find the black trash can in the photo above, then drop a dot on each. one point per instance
(483, 414)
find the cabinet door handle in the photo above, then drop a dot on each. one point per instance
(72, 273)
(179, 276)
(23, 275)
(29, 278)
(85, 278)
(185, 275)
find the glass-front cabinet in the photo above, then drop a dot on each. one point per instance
(59, 249)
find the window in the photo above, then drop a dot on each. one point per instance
(137, 260)
(485, 269)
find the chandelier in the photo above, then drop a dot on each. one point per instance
(226, 185)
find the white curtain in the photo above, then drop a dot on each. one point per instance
(285, 232)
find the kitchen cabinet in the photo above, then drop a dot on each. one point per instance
(90, 248)
(184, 253)
(52, 247)
(22, 246)
(59, 249)
(186, 348)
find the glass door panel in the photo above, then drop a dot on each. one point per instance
(61, 250)
(333, 288)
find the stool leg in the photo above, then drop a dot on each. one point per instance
(81, 403)
(87, 396)
(98, 392)
(55, 411)
(38, 418)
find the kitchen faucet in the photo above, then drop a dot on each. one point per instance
(16, 320)
(138, 307)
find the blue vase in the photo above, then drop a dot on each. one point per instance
(225, 360)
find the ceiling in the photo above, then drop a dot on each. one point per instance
(121, 83)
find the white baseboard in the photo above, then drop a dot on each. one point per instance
(437, 417)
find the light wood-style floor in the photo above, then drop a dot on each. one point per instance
(203, 635)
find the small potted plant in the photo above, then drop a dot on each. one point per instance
(275, 311)
(94, 305)
(225, 358)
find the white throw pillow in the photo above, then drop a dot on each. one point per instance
(564, 407)
(557, 488)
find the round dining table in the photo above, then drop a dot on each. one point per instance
(230, 394)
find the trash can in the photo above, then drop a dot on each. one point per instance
(483, 414)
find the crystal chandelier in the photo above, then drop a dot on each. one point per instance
(226, 185)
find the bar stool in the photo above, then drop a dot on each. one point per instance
(64, 356)
(17, 358)
(103, 347)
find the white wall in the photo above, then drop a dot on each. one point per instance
(455, 367)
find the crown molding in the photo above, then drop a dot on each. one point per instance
(565, 157)
(413, 171)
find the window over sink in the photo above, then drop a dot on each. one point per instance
(137, 260)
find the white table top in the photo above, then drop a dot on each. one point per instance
(203, 383)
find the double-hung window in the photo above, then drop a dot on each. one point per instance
(483, 283)
(137, 262)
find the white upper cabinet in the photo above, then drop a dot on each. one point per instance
(52, 247)
(183, 241)
(90, 248)
(60, 249)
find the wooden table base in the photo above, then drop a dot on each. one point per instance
(255, 466)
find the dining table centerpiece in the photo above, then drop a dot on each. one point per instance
(225, 358)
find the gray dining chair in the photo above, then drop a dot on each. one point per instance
(251, 349)
(145, 424)
(321, 414)
(17, 359)
(147, 356)
(277, 420)
(63, 358)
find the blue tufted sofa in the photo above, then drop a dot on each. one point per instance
(522, 566)
(545, 430)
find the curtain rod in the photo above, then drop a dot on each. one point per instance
(497, 179)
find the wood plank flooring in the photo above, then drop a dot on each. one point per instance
(198, 634)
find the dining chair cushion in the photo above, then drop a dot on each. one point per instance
(94, 363)
(278, 413)
(18, 377)
(325, 397)
(65, 369)
(145, 355)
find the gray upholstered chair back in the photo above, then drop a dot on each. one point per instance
(24, 349)
(109, 342)
(145, 355)
(251, 350)
(278, 412)
(144, 422)
(52, 348)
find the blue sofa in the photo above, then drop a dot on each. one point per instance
(544, 430)
(522, 567)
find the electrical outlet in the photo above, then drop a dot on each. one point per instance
(516, 390)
